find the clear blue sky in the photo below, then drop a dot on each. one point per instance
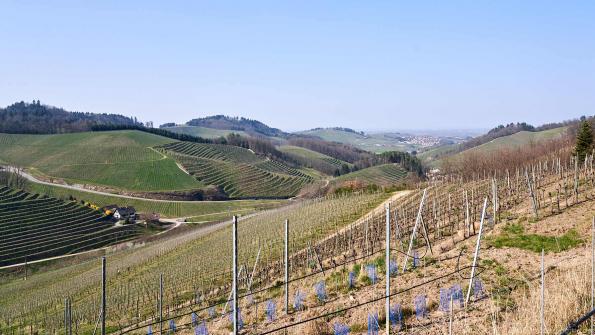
(303, 64)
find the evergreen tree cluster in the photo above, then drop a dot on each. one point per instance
(584, 140)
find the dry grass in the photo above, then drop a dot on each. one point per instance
(567, 297)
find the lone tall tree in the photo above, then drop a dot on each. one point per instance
(584, 140)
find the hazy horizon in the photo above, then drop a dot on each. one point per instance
(365, 66)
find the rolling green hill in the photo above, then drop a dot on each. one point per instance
(203, 132)
(433, 156)
(121, 160)
(370, 142)
(381, 175)
(237, 171)
(519, 139)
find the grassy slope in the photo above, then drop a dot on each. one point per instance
(519, 139)
(116, 159)
(372, 142)
(511, 141)
(383, 175)
(203, 131)
(166, 209)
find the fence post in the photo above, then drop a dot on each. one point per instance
(542, 305)
(483, 214)
(286, 267)
(160, 303)
(234, 230)
(387, 264)
(103, 294)
(69, 317)
(592, 271)
(66, 316)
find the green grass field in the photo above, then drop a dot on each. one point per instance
(166, 209)
(381, 175)
(432, 157)
(203, 131)
(518, 139)
(122, 160)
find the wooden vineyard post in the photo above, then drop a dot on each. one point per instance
(483, 213)
(398, 242)
(67, 317)
(592, 271)
(532, 194)
(421, 206)
(467, 218)
(495, 199)
(449, 213)
(387, 263)
(286, 254)
(235, 274)
(473, 217)
(576, 180)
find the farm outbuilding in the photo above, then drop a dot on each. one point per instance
(123, 213)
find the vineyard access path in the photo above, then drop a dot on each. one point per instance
(32, 179)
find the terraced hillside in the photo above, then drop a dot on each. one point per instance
(320, 162)
(120, 160)
(237, 171)
(35, 227)
(381, 175)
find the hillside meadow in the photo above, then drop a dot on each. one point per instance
(119, 160)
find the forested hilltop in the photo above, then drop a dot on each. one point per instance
(35, 118)
(252, 127)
